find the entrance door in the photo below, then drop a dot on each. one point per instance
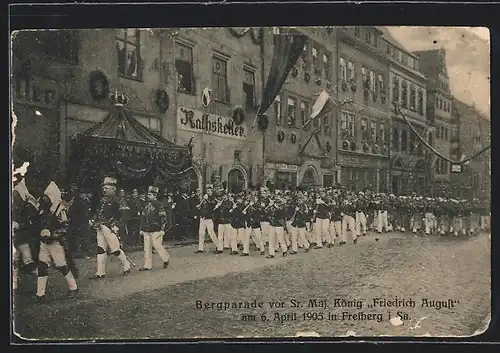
(236, 181)
(309, 177)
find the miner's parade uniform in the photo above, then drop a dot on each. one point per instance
(322, 223)
(299, 220)
(360, 217)
(153, 216)
(105, 222)
(238, 226)
(277, 228)
(336, 222)
(206, 211)
(224, 229)
(254, 215)
(349, 221)
(53, 225)
(25, 226)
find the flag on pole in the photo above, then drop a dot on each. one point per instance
(288, 45)
(322, 106)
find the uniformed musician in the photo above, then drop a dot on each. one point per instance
(153, 216)
(206, 211)
(106, 221)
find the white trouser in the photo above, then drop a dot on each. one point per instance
(206, 225)
(484, 222)
(25, 251)
(301, 233)
(348, 223)
(322, 231)
(53, 253)
(154, 240)
(239, 238)
(107, 239)
(382, 221)
(360, 223)
(264, 226)
(225, 237)
(256, 235)
(276, 236)
(309, 233)
(288, 233)
(428, 222)
(336, 230)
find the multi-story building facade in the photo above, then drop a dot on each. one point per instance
(363, 139)
(229, 62)
(61, 79)
(293, 155)
(439, 115)
(409, 166)
(474, 135)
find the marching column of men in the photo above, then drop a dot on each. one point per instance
(325, 217)
(281, 221)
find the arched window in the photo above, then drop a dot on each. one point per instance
(236, 181)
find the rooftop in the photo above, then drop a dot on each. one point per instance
(386, 33)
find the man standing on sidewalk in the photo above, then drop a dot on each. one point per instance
(151, 228)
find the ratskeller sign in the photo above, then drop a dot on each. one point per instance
(213, 124)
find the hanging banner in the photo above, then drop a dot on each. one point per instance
(211, 124)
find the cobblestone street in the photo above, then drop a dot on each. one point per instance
(162, 303)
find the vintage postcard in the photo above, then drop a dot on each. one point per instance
(250, 182)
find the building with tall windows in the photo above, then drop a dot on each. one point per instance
(439, 115)
(62, 80)
(410, 165)
(296, 152)
(363, 138)
(227, 62)
(474, 135)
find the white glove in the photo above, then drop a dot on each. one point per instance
(296, 208)
(205, 197)
(162, 233)
(173, 205)
(115, 229)
(91, 223)
(251, 203)
(315, 211)
(244, 212)
(15, 225)
(141, 233)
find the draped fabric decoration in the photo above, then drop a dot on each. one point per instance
(123, 146)
(288, 46)
(426, 144)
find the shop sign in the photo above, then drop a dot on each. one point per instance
(287, 167)
(211, 124)
(35, 90)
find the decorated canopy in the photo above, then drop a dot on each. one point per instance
(122, 146)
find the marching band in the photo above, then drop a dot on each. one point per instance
(283, 221)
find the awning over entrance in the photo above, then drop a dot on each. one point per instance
(124, 147)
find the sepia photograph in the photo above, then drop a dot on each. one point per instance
(250, 182)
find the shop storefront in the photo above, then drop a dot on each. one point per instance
(359, 172)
